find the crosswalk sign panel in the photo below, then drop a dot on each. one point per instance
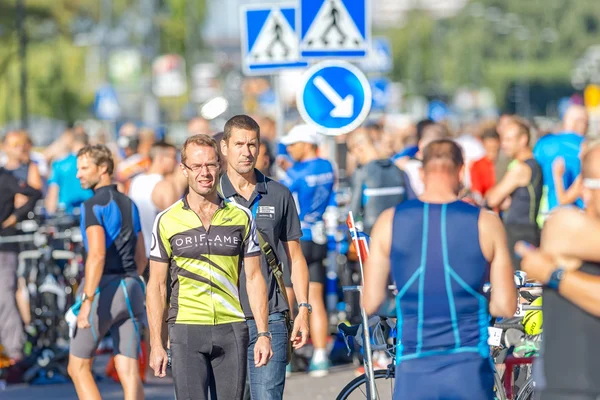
(269, 39)
(334, 28)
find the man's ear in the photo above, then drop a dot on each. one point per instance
(103, 169)
(224, 148)
(184, 170)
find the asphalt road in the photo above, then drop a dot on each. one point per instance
(298, 386)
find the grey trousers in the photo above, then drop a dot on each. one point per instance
(11, 329)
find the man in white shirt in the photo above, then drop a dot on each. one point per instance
(150, 191)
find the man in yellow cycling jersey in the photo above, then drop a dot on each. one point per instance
(202, 241)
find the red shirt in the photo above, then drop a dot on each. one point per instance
(483, 175)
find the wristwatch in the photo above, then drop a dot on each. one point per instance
(265, 334)
(85, 297)
(308, 306)
(555, 278)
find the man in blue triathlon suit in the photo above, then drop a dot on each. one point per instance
(311, 180)
(440, 252)
(566, 145)
(111, 293)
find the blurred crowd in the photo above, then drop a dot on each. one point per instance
(512, 166)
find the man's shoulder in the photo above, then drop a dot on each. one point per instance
(170, 212)
(237, 209)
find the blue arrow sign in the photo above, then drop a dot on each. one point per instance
(334, 28)
(335, 97)
(269, 39)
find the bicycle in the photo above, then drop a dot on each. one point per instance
(51, 292)
(387, 377)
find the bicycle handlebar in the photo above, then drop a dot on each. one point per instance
(72, 234)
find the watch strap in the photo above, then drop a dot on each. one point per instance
(555, 278)
(264, 334)
(306, 305)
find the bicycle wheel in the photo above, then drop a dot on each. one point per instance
(357, 388)
(526, 392)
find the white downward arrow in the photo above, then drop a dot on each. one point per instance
(343, 108)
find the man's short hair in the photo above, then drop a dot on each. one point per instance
(421, 125)
(100, 155)
(445, 150)
(240, 122)
(200, 140)
(490, 133)
(159, 147)
(81, 138)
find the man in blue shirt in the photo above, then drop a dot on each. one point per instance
(64, 189)
(311, 180)
(566, 145)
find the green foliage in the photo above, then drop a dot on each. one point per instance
(56, 67)
(487, 45)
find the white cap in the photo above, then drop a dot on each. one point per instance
(301, 134)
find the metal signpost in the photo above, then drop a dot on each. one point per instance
(335, 96)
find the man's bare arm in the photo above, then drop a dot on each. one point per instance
(156, 302)
(51, 202)
(578, 287)
(298, 270)
(377, 267)
(164, 194)
(514, 178)
(582, 233)
(492, 237)
(96, 255)
(257, 292)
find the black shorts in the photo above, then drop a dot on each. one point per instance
(314, 254)
(526, 233)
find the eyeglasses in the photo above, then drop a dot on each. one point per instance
(198, 167)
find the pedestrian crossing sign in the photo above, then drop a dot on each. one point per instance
(269, 39)
(334, 28)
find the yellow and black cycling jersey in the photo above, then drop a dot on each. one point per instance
(204, 264)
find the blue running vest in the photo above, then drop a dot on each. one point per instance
(439, 270)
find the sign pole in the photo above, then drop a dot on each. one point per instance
(279, 106)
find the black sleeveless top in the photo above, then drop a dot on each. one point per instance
(21, 172)
(525, 200)
(571, 345)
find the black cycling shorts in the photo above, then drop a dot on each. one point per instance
(209, 358)
(315, 254)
